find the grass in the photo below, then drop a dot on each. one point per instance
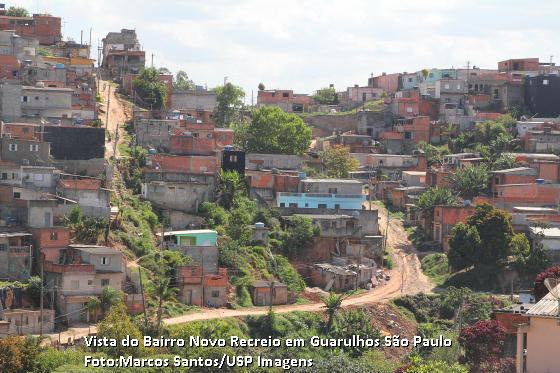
(374, 105)
(173, 309)
(436, 267)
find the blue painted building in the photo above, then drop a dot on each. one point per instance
(320, 200)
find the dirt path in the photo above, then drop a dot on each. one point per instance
(119, 113)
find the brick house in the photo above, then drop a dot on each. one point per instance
(518, 175)
(202, 290)
(284, 99)
(445, 217)
(264, 292)
(45, 28)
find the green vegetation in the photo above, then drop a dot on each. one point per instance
(230, 102)
(434, 154)
(326, 96)
(436, 267)
(150, 89)
(434, 197)
(273, 131)
(17, 11)
(338, 162)
(182, 81)
(470, 181)
(85, 229)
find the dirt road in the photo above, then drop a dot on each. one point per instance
(119, 113)
(406, 278)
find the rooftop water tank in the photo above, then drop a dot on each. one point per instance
(259, 225)
(274, 171)
(152, 151)
(228, 148)
(539, 181)
(301, 175)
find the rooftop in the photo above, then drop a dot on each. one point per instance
(192, 231)
(516, 170)
(94, 249)
(547, 306)
(347, 181)
(82, 184)
(266, 284)
(534, 209)
(546, 232)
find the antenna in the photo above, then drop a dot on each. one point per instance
(552, 284)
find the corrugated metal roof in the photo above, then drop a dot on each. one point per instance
(547, 306)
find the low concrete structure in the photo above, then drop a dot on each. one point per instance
(202, 289)
(25, 321)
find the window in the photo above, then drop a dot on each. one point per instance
(322, 205)
(285, 94)
(408, 135)
(24, 99)
(545, 82)
(446, 86)
(409, 110)
(4, 176)
(90, 282)
(104, 282)
(215, 293)
(105, 260)
(12, 147)
(54, 235)
(293, 204)
(282, 204)
(25, 130)
(3, 247)
(333, 190)
(458, 87)
(336, 205)
(36, 98)
(33, 147)
(17, 195)
(410, 80)
(233, 158)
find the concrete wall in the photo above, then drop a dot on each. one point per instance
(203, 255)
(10, 100)
(88, 167)
(193, 99)
(268, 161)
(185, 197)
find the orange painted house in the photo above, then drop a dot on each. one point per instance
(518, 175)
(50, 241)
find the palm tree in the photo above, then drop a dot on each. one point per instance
(93, 307)
(230, 185)
(109, 297)
(469, 182)
(163, 291)
(333, 303)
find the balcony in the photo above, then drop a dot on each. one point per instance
(19, 251)
(64, 268)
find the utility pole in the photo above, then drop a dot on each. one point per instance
(272, 293)
(143, 299)
(152, 60)
(42, 295)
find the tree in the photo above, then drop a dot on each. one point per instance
(486, 132)
(425, 73)
(261, 86)
(110, 297)
(93, 307)
(470, 181)
(434, 197)
(338, 162)
(17, 11)
(150, 88)
(333, 303)
(483, 343)
(539, 289)
(273, 131)
(163, 291)
(503, 162)
(434, 154)
(495, 231)
(355, 322)
(182, 81)
(298, 234)
(19, 354)
(230, 185)
(118, 325)
(464, 246)
(326, 96)
(230, 102)
(33, 290)
(164, 71)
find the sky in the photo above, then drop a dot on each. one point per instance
(306, 45)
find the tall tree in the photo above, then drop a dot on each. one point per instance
(434, 154)
(338, 162)
(261, 86)
(273, 131)
(163, 291)
(495, 231)
(470, 181)
(503, 162)
(230, 102)
(230, 185)
(464, 246)
(150, 88)
(17, 11)
(487, 132)
(182, 81)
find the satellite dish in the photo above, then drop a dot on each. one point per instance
(554, 290)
